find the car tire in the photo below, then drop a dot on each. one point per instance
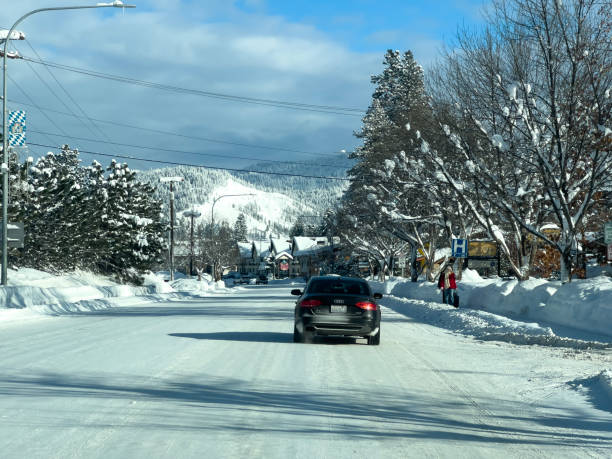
(307, 337)
(374, 340)
(297, 336)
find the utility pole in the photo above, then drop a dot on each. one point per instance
(172, 181)
(193, 214)
(11, 35)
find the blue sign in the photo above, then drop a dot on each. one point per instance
(16, 128)
(459, 248)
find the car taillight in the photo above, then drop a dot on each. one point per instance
(310, 303)
(367, 305)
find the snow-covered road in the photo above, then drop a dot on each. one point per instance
(219, 376)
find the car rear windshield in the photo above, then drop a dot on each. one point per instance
(338, 286)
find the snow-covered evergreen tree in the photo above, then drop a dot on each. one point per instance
(77, 217)
(240, 229)
(132, 224)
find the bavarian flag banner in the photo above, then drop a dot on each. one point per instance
(16, 128)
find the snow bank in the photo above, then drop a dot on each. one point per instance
(30, 288)
(33, 293)
(598, 388)
(195, 287)
(485, 326)
(581, 304)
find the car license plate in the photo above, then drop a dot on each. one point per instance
(338, 308)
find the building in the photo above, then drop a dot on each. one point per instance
(281, 258)
(311, 255)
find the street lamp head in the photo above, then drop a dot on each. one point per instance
(116, 4)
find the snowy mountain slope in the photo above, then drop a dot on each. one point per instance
(278, 199)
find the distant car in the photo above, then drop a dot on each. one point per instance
(336, 306)
(232, 276)
(261, 279)
(247, 279)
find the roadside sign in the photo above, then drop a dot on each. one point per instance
(284, 266)
(608, 233)
(485, 249)
(17, 128)
(459, 248)
(484, 264)
(15, 235)
(609, 252)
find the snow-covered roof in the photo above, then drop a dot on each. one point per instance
(303, 245)
(283, 254)
(245, 249)
(280, 245)
(262, 248)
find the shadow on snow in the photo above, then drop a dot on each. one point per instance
(220, 404)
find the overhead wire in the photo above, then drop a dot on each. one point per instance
(173, 150)
(177, 89)
(283, 104)
(205, 139)
(52, 91)
(51, 120)
(67, 95)
(200, 166)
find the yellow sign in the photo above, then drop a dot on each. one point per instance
(482, 249)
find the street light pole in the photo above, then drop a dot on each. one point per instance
(5, 157)
(172, 181)
(212, 221)
(193, 214)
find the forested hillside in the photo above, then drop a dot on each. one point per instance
(280, 195)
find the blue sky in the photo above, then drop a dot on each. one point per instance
(371, 25)
(310, 52)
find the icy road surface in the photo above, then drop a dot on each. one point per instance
(219, 376)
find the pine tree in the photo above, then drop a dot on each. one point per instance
(240, 229)
(53, 222)
(133, 226)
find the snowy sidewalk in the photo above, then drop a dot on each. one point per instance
(35, 294)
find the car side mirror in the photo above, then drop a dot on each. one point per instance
(377, 296)
(296, 292)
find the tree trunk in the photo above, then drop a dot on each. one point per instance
(566, 266)
(414, 275)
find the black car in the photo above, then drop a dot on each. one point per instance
(261, 279)
(336, 306)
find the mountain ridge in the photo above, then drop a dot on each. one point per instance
(276, 202)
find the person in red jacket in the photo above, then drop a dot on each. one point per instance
(448, 285)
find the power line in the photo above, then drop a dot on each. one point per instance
(197, 92)
(200, 166)
(51, 120)
(171, 150)
(158, 131)
(67, 94)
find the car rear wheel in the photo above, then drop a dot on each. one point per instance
(307, 337)
(297, 336)
(374, 340)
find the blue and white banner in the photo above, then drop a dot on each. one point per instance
(16, 128)
(459, 248)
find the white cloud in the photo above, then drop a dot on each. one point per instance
(230, 52)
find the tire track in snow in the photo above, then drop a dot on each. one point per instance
(482, 415)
